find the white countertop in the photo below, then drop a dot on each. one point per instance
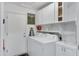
(44, 39)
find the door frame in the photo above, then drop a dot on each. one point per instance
(2, 28)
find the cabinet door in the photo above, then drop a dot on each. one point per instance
(49, 49)
(52, 13)
(48, 14)
(39, 17)
(69, 8)
(70, 52)
(34, 48)
(45, 15)
(59, 50)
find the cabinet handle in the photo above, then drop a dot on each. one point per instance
(78, 47)
(64, 49)
(24, 33)
(24, 36)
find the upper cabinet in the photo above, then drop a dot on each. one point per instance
(70, 11)
(57, 12)
(46, 15)
(65, 11)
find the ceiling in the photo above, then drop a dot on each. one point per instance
(32, 5)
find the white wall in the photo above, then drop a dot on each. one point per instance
(16, 9)
(10, 8)
(77, 23)
(66, 29)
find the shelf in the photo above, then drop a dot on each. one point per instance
(62, 33)
(68, 33)
(59, 6)
(65, 21)
(60, 16)
(59, 11)
(59, 22)
(50, 32)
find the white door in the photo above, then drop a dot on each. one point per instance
(15, 42)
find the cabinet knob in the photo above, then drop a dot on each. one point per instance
(62, 49)
(24, 36)
(24, 33)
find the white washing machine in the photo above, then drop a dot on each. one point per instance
(42, 46)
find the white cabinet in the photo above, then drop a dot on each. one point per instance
(59, 50)
(45, 15)
(69, 11)
(70, 52)
(34, 48)
(65, 51)
(39, 17)
(39, 48)
(49, 14)
(65, 12)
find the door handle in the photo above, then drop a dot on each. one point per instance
(3, 45)
(3, 21)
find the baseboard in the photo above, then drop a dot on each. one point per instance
(24, 54)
